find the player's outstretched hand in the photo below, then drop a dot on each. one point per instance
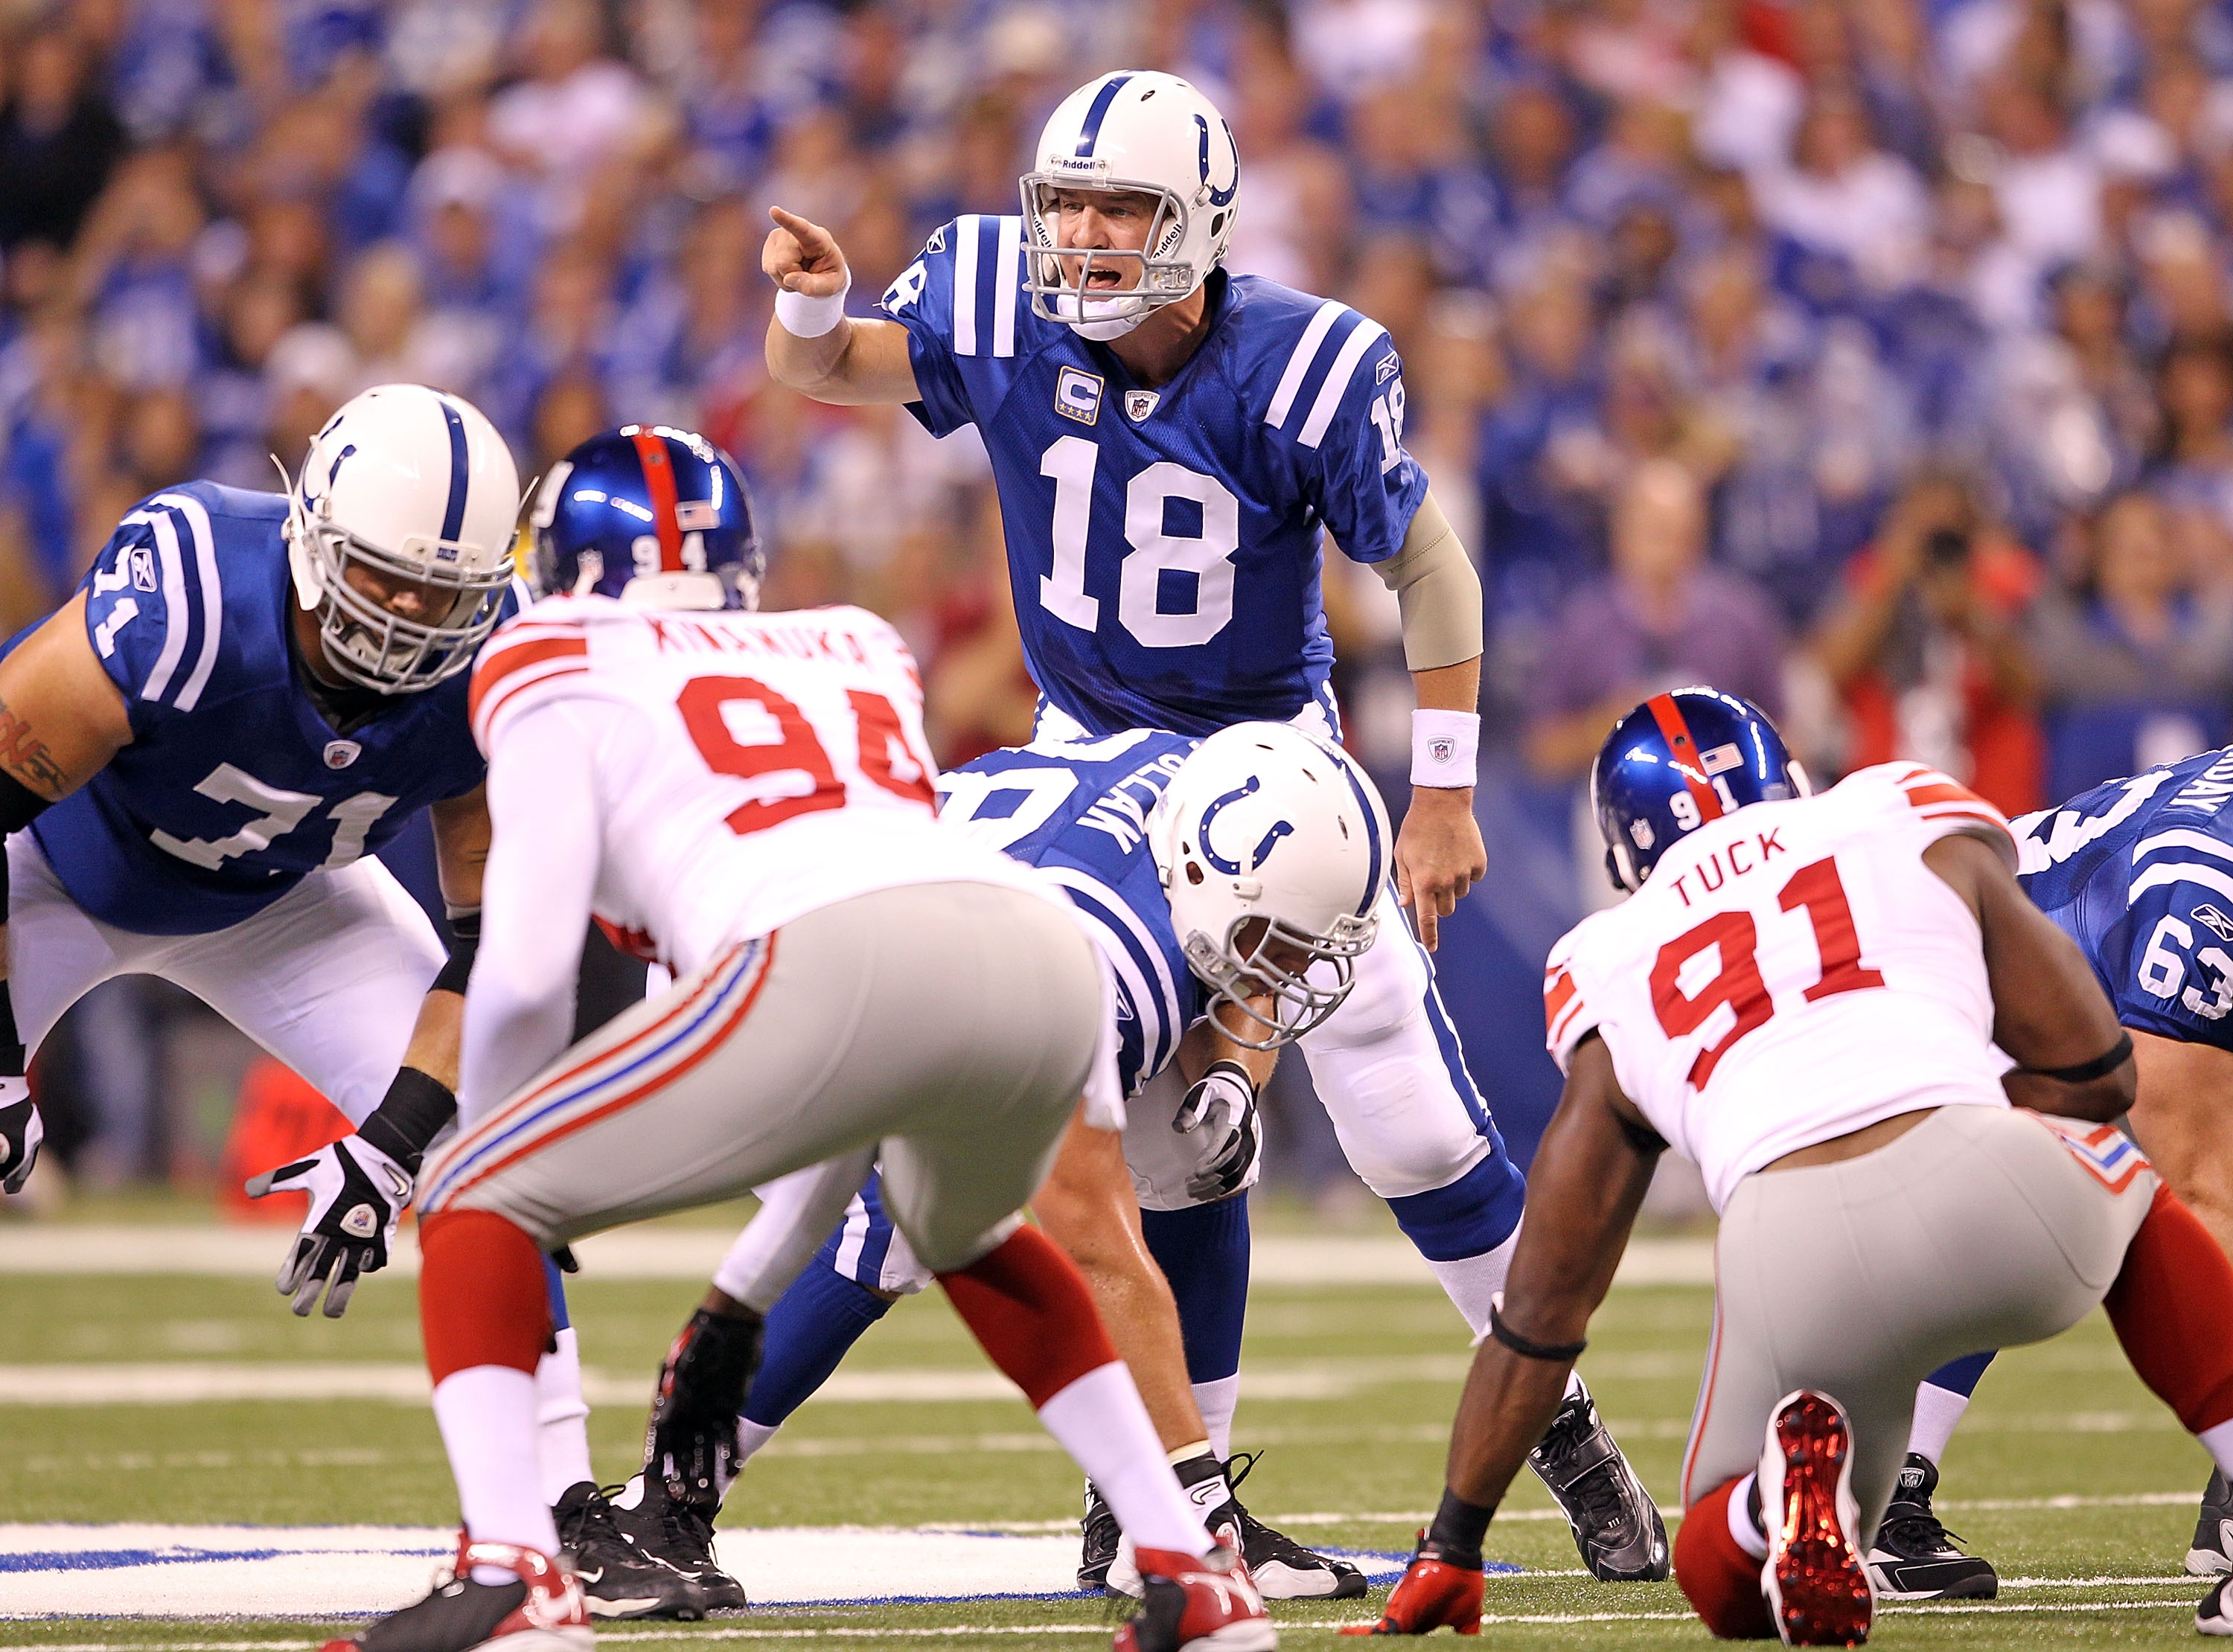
(803, 257)
(1439, 856)
(1433, 1591)
(21, 1132)
(357, 1193)
(1220, 1114)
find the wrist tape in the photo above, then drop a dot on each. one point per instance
(805, 317)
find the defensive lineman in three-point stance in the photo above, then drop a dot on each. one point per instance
(1168, 441)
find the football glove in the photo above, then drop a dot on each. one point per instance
(357, 1193)
(21, 1132)
(1219, 1114)
(1432, 1591)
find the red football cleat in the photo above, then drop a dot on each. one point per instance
(1209, 1604)
(539, 1608)
(1431, 1593)
(1816, 1579)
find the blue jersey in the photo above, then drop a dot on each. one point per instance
(1078, 808)
(233, 785)
(2139, 872)
(1164, 544)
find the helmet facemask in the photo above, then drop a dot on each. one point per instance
(1059, 278)
(365, 642)
(1253, 962)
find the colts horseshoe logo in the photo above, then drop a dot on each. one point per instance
(1232, 869)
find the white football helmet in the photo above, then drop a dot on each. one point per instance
(1273, 847)
(1135, 130)
(416, 487)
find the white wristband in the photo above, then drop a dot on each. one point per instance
(805, 317)
(1445, 747)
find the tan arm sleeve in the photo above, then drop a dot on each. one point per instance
(1438, 590)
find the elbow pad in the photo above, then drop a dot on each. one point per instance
(1438, 590)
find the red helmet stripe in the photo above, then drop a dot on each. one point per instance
(658, 477)
(1675, 729)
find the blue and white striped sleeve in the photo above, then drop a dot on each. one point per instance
(1339, 401)
(958, 302)
(2176, 979)
(154, 606)
(1150, 1018)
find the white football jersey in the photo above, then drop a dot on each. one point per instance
(1789, 973)
(750, 768)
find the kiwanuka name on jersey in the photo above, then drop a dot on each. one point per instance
(1164, 544)
(1077, 810)
(233, 786)
(1790, 972)
(2139, 872)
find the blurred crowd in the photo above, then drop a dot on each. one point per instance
(1873, 358)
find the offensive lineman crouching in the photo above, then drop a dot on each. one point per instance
(1808, 997)
(750, 795)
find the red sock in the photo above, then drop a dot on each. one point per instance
(1028, 1307)
(2170, 1305)
(1720, 1580)
(482, 1295)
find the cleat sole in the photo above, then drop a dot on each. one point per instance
(1818, 1586)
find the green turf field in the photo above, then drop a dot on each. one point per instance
(1353, 1465)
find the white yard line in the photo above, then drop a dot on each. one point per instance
(691, 1253)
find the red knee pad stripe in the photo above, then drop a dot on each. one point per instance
(1720, 1580)
(482, 1295)
(2170, 1305)
(1028, 1307)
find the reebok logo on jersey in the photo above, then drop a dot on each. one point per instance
(143, 567)
(1386, 370)
(2218, 923)
(1078, 395)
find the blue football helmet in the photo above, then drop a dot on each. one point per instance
(1677, 761)
(657, 517)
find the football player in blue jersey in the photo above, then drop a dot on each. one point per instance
(1170, 443)
(249, 694)
(2139, 872)
(1112, 819)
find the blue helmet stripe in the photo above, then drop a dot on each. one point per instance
(453, 513)
(1089, 133)
(1372, 833)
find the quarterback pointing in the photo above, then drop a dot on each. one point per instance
(1168, 441)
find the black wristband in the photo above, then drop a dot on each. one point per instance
(19, 804)
(414, 1109)
(1564, 1353)
(12, 1063)
(1459, 1527)
(2087, 1072)
(466, 940)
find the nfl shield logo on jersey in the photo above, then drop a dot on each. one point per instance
(340, 753)
(1138, 404)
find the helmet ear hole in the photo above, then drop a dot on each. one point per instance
(1216, 226)
(1193, 872)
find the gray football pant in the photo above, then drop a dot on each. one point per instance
(948, 1028)
(1979, 1228)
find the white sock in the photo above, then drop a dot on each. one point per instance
(486, 1414)
(1102, 1424)
(1217, 1402)
(1750, 1537)
(751, 1436)
(1936, 1411)
(1470, 1281)
(562, 1419)
(2219, 1441)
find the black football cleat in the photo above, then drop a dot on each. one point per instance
(1283, 1569)
(1913, 1557)
(539, 1608)
(678, 1532)
(619, 1578)
(1614, 1523)
(1100, 1537)
(2212, 1553)
(2215, 1615)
